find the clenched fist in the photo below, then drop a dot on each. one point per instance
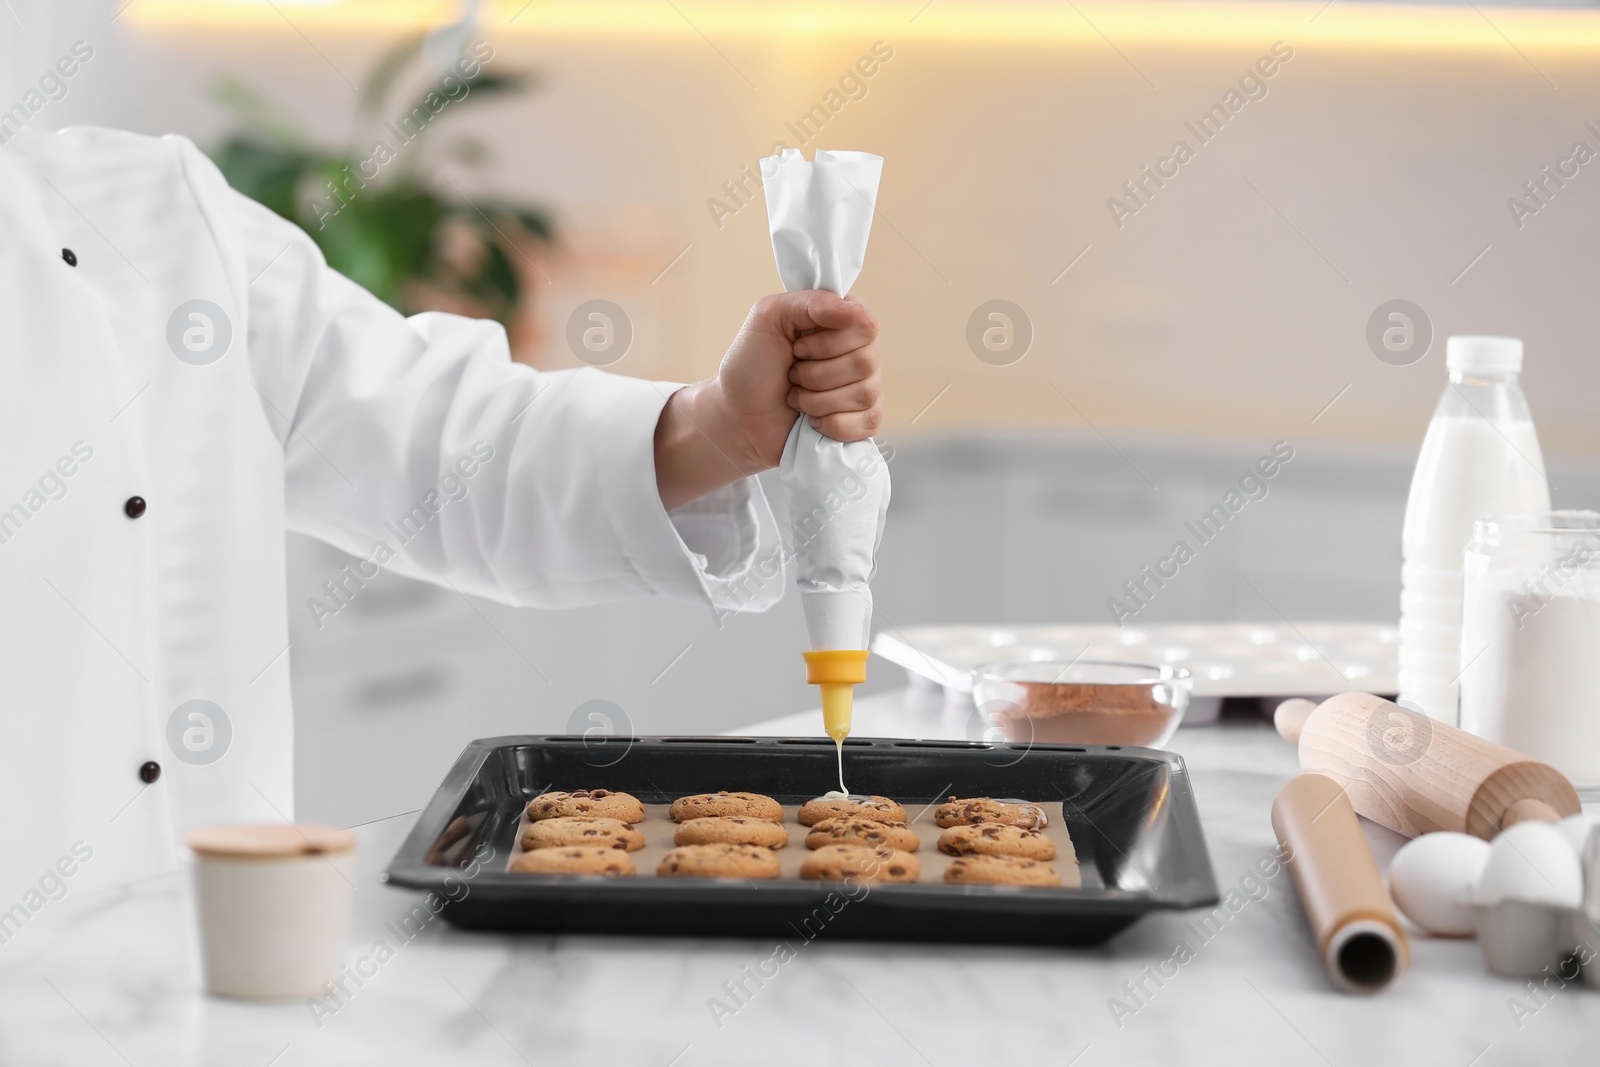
(807, 353)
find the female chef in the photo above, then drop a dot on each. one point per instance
(184, 378)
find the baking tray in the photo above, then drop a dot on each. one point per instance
(1131, 814)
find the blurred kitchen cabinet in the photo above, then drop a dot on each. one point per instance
(985, 529)
(374, 741)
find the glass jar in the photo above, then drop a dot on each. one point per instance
(1530, 638)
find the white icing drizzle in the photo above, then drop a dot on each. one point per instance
(1037, 812)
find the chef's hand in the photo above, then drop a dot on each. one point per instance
(807, 353)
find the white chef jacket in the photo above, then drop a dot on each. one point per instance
(326, 413)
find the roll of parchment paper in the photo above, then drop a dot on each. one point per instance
(1353, 922)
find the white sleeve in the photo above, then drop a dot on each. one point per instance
(420, 439)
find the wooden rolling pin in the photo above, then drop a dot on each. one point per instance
(1414, 774)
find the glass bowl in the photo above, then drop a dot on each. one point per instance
(1083, 702)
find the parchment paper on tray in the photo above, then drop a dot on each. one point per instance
(658, 829)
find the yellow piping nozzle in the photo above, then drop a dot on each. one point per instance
(838, 671)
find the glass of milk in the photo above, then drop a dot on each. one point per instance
(1530, 638)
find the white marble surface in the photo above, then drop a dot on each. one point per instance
(112, 979)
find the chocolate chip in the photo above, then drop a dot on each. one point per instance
(897, 870)
(599, 793)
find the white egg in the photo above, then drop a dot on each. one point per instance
(1431, 880)
(1576, 829)
(1531, 861)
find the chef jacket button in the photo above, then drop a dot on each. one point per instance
(133, 507)
(149, 772)
(70, 256)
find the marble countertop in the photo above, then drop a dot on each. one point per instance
(113, 978)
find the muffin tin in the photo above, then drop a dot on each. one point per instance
(1268, 660)
(1130, 814)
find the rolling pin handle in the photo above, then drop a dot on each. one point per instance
(1291, 716)
(1528, 810)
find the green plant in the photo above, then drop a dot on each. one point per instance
(380, 216)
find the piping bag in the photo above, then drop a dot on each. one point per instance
(820, 214)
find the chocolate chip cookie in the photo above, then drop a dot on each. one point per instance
(709, 805)
(1001, 870)
(867, 832)
(876, 809)
(835, 863)
(719, 861)
(571, 830)
(996, 839)
(587, 803)
(731, 830)
(956, 812)
(575, 859)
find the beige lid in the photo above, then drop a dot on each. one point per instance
(268, 840)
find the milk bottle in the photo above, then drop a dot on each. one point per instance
(1480, 457)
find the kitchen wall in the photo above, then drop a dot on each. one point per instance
(1174, 339)
(1233, 303)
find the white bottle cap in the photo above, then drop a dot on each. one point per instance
(1484, 355)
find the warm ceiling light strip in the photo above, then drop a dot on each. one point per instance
(1155, 23)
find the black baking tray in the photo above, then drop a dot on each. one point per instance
(1131, 813)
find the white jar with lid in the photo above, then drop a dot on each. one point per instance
(273, 903)
(1530, 638)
